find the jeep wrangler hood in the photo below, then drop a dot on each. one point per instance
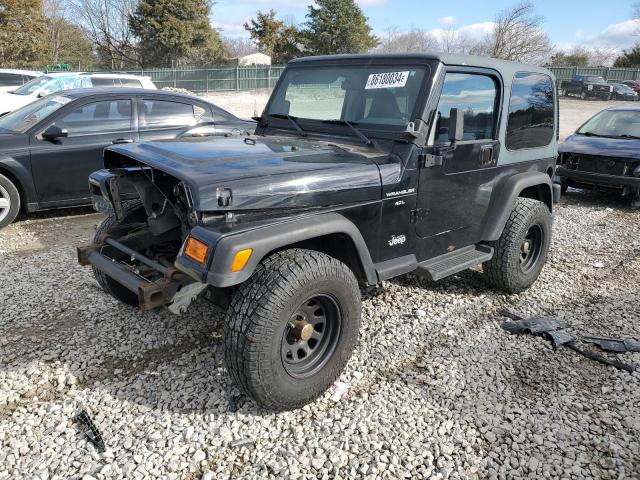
(261, 172)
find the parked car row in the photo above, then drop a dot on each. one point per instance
(49, 147)
(595, 86)
(54, 82)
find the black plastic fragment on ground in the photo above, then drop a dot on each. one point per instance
(555, 331)
(91, 431)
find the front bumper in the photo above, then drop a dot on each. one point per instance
(601, 179)
(162, 291)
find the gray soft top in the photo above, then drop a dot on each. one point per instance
(506, 68)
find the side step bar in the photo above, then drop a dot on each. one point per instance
(454, 262)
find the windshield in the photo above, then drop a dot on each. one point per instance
(374, 97)
(596, 79)
(46, 85)
(613, 123)
(24, 118)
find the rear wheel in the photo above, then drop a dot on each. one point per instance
(133, 211)
(521, 251)
(583, 95)
(291, 329)
(9, 201)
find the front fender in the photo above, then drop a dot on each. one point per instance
(22, 175)
(504, 198)
(264, 240)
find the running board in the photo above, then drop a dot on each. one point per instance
(454, 262)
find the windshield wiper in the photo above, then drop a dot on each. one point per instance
(352, 126)
(292, 120)
(633, 137)
(589, 134)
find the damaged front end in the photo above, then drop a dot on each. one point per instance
(138, 251)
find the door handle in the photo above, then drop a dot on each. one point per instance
(486, 155)
(119, 141)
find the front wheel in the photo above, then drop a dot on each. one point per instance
(583, 95)
(9, 201)
(521, 251)
(291, 329)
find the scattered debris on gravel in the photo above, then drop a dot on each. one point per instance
(435, 389)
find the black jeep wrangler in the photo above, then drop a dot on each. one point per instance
(362, 168)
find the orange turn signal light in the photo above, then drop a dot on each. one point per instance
(196, 250)
(240, 259)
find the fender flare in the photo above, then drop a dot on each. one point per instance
(23, 177)
(266, 239)
(504, 198)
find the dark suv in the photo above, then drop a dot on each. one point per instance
(362, 168)
(587, 86)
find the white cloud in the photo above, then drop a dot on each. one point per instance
(619, 35)
(447, 21)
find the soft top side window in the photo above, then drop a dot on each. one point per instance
(531, 111)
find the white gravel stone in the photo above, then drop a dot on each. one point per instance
(446, 394)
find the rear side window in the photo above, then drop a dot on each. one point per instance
(531, 111)
(130, 82)
(161, 113)
(105, 82)
(10, 80)
(475, 95)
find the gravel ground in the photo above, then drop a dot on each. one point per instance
(437, 389)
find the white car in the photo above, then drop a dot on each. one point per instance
(55, 82)
(12, 79)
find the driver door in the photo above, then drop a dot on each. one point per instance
(61, 168)
(456, 181)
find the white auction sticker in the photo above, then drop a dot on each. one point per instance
(387, 80)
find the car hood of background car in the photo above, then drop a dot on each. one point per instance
(602, 146)
(10, 101)
(263, 172)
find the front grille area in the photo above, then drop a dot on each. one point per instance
(595, 164)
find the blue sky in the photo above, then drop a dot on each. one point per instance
(569, 22)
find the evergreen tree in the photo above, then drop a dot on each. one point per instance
(22, 33)
(629, 58)
(273, 37)
(337, 26)
(175, 32)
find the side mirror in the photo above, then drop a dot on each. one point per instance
(54, 133)
(456, 125)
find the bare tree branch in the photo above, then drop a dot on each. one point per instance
(414, 41)
(518, 35)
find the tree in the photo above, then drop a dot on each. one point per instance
(106, 24)
(454, 41)
(238, 47)
(175, 32)
(578, 57)
(22, 33)
(629, 58)
(274, 37)
(517, 35)
(66, 43)
(415, 40)
(337, 26)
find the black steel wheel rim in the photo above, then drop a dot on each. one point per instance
(311, 336)
(531, 248)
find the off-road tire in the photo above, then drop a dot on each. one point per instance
(130, 209)
(505, 271)
(8, 193)
(257, 319)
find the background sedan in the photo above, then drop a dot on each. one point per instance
(49, 147)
